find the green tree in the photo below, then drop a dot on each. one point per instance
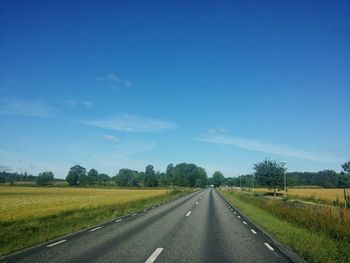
(74, 175)
(346, 167)
(45, 178)
(150, 176)
(92, 177)
(218, 178)
(270, 174)
(126, 177)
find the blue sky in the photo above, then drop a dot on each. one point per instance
(223, 84)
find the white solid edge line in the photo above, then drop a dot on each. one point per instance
(118, 220)
(268, 246)
(94, 229)
(244, 222)
(54, 244)
(154, 255)
(253, 231)
(188, 213)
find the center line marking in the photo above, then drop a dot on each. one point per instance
(154, 255)
(188, 213)
(244, 222)
(253, 231)
(118, 220)
(54, 244)
(94, 229)
(268, 246)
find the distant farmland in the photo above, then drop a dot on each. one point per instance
(30, 215)
(313, 194)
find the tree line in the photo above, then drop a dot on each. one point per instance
(271, 174)
(183, 174)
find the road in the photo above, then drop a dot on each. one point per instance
(199, 227)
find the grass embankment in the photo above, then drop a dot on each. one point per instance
(316, 195)
(30, 216)
(318, 234)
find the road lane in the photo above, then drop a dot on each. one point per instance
(199, 227)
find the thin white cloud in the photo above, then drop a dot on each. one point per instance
(110, 138)
(16, 106)
(216, 137)
(76, 103)
(110, 76)
(130, 123)
(114, 81)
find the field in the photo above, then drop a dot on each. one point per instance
(329, 196)
(30, 215)
(316, 232)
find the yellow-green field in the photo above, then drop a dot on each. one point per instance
(328, 195)
(31, 215)
(20, 202)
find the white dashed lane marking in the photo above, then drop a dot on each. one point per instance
(268, 246)
(253, 231)
(154, 255)
(96, 228)
(188, 213)
(118, 220)
(56, 243)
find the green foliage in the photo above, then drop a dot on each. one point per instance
(218, 178)
(127, 177)
(190, 175)
(45, 178)
(76, 175)
(346, 167)
(270, 174)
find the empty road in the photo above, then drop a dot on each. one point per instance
(199, 227)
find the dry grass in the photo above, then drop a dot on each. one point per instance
(20, 202)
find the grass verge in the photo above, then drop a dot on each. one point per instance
(314, 246)
(20, 233)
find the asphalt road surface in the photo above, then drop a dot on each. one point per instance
(199, 227)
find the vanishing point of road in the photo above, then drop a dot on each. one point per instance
(199, 227)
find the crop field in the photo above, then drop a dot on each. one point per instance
(31, 215)
(312, 194)
(22, 202)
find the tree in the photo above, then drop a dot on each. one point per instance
(74, 175)
(126, 177)
(45, 178)
(346, 167)
(150, 176)
(218, 178)
(270, 174)
(92, 177)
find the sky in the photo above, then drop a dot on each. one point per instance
(222, 84)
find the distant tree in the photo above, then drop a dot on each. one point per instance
(150, 176)
(126, 177)
(218, 178)
(170, 174)
(346, 167)
(74, 175)
(270, 174)
(92, 177)
(45, 178)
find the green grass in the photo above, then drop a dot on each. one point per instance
(20, 233)
(313, 245)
